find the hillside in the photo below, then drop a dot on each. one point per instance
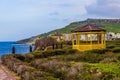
(111, 25)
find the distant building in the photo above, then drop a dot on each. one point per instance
(57, 36)
(112, 36)
(67, 37)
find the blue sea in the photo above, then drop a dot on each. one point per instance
(6, 48)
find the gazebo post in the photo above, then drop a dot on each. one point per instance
(97, 38)
(73, 39)
(104, 40)
(86, 37)
(91, 40)
(78, 39)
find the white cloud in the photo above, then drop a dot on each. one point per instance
(39, 16)
(105, 8)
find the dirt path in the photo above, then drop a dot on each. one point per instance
(4, 74)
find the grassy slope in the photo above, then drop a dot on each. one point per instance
(110, 27)
(66, 29)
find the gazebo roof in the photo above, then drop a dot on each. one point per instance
(89, 28)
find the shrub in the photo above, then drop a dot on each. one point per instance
(45, 54)
(25, 58)
(116, 50)
(19, 56)
(37, 54)
(68, 42)
(111, 46)
(59, 52)
(60, 74)
(28, 57)
(109, 60)
(71, 51)
(109, 71)
(90, 57)
(22, 69)
(51, 78)
(99, 51)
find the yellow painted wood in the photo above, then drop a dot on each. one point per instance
(72, 39)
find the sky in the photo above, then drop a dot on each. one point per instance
(20, 19)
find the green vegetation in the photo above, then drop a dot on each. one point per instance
(110, 27)
(67, 64)
(110, 69)
(66, 29)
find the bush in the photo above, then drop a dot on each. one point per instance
(19, 56)
(99, 51)
(51, 78)
(68, 42)
(28, 57)
(25, 58)
(71, 51)
(45, 54)
(59, 69)
(90, 57)
(60, 74)
(37, 54)
(111, 46)
(22, 69)
(58, 52)
(108, 71)
(109, 60)
(116, 50)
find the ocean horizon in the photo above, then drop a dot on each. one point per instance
(6, 48)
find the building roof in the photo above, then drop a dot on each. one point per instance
(89, 28)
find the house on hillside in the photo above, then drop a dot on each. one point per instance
(112, 36)
(57, 36)
(67, 37)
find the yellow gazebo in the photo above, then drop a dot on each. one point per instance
(88, 37)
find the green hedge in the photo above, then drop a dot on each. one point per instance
(99, 51)
(45, 54)
(116, 50)
(111, 46)
(90, 57)
(19, 56)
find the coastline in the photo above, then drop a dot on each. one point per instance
(6, 48)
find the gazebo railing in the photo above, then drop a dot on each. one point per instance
(89, 47)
